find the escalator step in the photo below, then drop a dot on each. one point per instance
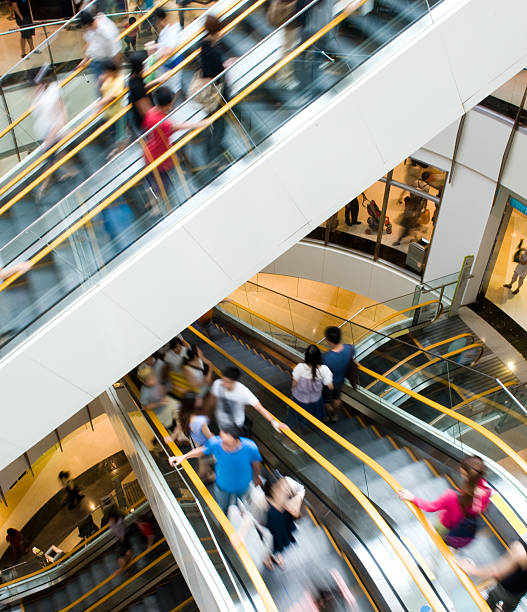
(360, 437)
(395, 459)
(347, 426)
(324, 445)
(150, 604)
(377, 448)
(60, 598)
(411, 476)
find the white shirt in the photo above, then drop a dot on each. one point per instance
(230, 404)
(302, 370)
(175, 360)
(47, 111)
(169, 38)
(102, 41)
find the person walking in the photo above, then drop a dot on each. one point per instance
(459, 509)
(73, 494)
(510, 573)
(337, 359)
(279, 12)
(138, 97)
(168, 41)
(238, 463)
(351, 212)
(284, 507)
(102, 42)
(112, 87)
(23, 21)
(309, 379)
(120, 530)
(520, 272)
(228, 399)
(409, 218)
(153, 396)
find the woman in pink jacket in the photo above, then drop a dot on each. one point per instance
(459, 509)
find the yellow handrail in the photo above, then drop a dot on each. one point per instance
(400, 312)
(505, 448)
(68, 554)
(341, 477)
(419, 352)
(96, 133)
(224, 522)
(351, 7)
(431, 362)
(79, 69)
(112, 576)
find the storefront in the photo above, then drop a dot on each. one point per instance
(393, 220)
(511, 236)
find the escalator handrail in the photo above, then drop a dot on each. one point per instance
(126, 582)
(93, 116)
(420, 351)
(187, 137)
(503, 446)
(112, 576)
(79, 69)
(433, 361)
(66, 556)
(218, 514)
(353, 489)
(412, 308)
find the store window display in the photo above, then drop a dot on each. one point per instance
(394, 219)
(506, 286)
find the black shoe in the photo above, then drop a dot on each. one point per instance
(516, 291)
(356, 222)
(508, 285)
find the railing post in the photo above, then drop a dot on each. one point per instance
(10, 121)
(461, 285)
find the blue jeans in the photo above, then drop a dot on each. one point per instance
(225, 499)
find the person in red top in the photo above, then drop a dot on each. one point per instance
(460, 508)
(158, 139)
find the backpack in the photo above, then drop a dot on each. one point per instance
(280, 11)
(518, 252)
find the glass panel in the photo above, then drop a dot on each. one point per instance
(234, 134)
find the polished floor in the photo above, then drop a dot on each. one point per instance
(81, 450)
(514, 305)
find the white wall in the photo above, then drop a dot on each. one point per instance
(467, 225)
(231, 231)
(343, 268)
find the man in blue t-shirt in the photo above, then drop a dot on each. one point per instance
(238, 462)
(337, 359)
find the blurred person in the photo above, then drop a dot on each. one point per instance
(413, 172)
(112, 86)
(213, 97)
(459, 509)
(238, 463)
(351, 212)
(409, 218)
(155, 362)
(173, 358)
(205, 323)
(73, 493)
(158, 139)
(194, 426)
(284, 507)
(228, 399)
(12, 16)
(120, 530)
(197, 371)
(152, 396)
(49, 118)
(337, 359)
(138, 97)
(330, 597)
(510, 574)
(15, 539)
(168, 41)
(8, 271)
(102, 42)
(23, 20)
(130, 40)
(279, 12)
(309, 379)
(520, 271)
(147, 530)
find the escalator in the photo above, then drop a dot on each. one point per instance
(91, 580)
(336, 533)
(80, 254)
(426, 471)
